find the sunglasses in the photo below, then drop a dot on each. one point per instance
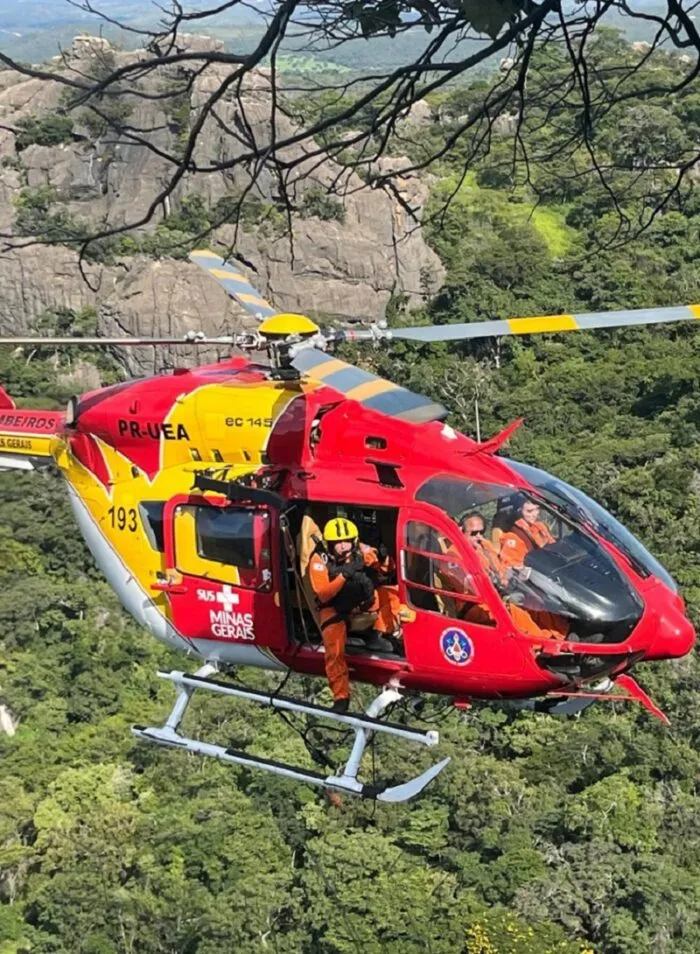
(476, 533)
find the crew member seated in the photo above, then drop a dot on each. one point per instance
(527, 533)
(350, 577)
(529, 621)
(474, 529)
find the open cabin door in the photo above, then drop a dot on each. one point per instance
(223, 575)
(458, 621)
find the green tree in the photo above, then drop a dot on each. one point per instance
(49, 130)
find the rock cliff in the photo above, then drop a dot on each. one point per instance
(345, 269)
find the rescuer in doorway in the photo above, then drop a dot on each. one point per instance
(343, 579)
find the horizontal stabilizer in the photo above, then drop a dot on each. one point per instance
(372, 391)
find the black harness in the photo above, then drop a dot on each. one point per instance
(357, 593)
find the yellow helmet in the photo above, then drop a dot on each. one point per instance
(340, 528)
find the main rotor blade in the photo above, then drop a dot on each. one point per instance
(547, 323)
(127, 342)
(372, 391)
(237, 285)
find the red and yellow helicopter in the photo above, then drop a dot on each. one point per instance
(201, 493)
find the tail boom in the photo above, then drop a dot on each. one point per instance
(26, 435)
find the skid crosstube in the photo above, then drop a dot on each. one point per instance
(364, 726)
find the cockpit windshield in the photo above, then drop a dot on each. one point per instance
(540, 559)
(582, 508)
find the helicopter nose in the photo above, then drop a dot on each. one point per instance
(675, 635)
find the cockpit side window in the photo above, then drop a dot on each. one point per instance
(421, 536)
(436, 578)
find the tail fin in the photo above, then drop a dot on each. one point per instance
(25, 436)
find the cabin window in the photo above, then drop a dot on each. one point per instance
(226, 536)
(436, 577)
(230, 545)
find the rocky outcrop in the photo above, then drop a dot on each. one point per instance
(37, 278)
(137, 296)
(419, 115)
(348, 269)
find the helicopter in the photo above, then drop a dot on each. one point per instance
(201, 493)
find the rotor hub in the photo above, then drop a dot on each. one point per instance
(286, 325)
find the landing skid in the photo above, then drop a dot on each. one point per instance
(363, 725)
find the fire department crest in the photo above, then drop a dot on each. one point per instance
(456, 646)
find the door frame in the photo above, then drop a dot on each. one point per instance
(485, 592)
(279, 584)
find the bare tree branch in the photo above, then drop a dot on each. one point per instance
(354, 123)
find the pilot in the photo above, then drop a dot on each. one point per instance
(527, 533)
(347, 578)
(532, 622)
(473, 527)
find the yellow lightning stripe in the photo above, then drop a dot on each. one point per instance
(531, 326)
(370, 389)
(695, 310)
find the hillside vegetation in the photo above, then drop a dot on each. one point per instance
(543, 836)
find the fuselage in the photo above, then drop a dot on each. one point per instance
(213, 574)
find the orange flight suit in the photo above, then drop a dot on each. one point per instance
(516, 546)
(531, 622)
(335, 634)
(514, 549)
(386, 597)
(538, 622)
(455, 579)
(496, 572)
(489, 559)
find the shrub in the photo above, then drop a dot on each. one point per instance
(318, 204)
(43, 131)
